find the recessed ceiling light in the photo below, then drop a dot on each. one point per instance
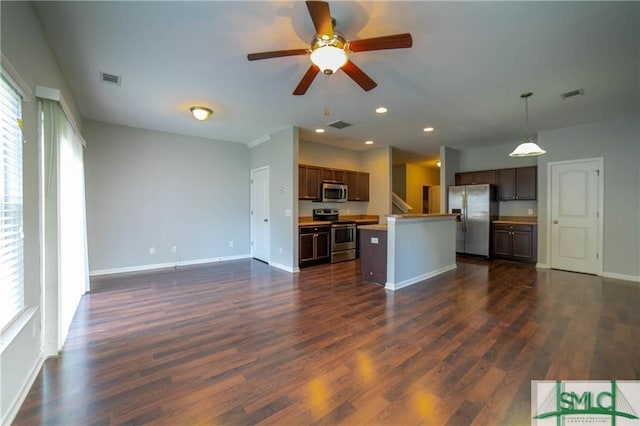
(429, 129)
(381, 110)
(319, 130)
(368, 142)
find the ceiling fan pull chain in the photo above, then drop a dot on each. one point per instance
(326, 95)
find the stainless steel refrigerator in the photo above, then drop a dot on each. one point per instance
(477, 206)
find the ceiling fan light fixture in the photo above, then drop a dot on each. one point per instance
(528, 148)
(329, 58)
(201, 113)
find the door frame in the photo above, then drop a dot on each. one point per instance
(600, 222)
(253, 231)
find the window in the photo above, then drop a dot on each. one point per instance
(11, 234)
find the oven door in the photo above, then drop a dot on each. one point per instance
(343, 237)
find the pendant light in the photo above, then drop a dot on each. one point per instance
(528, 148)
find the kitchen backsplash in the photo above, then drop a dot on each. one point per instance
(305, 208)
(518, 208)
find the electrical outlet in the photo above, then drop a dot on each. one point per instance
(152, 250)
(174, 249)
(230, 243)
(530, 211)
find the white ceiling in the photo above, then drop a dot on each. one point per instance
(469, 63)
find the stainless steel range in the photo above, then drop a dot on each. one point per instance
(343, 235)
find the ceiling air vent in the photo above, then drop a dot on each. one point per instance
(110, 78)
(572, 93)
(339, 124)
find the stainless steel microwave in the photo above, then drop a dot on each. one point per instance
(334, 192)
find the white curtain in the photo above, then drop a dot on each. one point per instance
(64, 186)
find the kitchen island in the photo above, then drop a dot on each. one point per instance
(418, 246)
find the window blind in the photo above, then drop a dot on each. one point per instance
(11, 232)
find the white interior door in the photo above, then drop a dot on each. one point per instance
(260, 214)
(576, 203)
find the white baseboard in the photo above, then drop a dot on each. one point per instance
(139, 268)
(633, 278)
(614, 275)
(284, 267)
(15, 405)
(414, 280)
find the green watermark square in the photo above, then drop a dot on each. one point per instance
(582, 402)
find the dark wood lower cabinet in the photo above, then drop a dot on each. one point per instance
(314, 245)
(515, 242)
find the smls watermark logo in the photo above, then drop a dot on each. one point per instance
(589, 403)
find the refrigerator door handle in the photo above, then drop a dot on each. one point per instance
(464, 212)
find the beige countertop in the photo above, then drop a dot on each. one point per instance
(514, 222)
(374, 227)
(417, 215)
(314, 223)
(517, 220)
(358, 219)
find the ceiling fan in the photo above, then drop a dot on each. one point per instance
(330, 50)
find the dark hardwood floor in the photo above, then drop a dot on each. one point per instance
(240, 343)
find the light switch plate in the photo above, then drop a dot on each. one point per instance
(374, 240)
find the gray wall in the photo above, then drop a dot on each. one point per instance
(154, 189)
(378, 163)
(26, 48)
(280, 153)
(492, 157)
(450, 159)
(618, 142)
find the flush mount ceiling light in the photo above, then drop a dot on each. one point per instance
(201, 113)
(528, 148)
(319, 130)
(381, 110)
(368, 142)
(428, 129)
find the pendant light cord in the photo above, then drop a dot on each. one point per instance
(526, 115)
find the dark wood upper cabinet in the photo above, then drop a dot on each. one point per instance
(334, 175)
(310, 179)
(358, 186)
(309, 182)
(476, 178)
(517, 184)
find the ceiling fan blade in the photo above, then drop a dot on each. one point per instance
(276, 54)
(321, 17)
(307, 79)
(359, 76)
(396, 41)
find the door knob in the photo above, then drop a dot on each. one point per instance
(555, 221)
(266, 220)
